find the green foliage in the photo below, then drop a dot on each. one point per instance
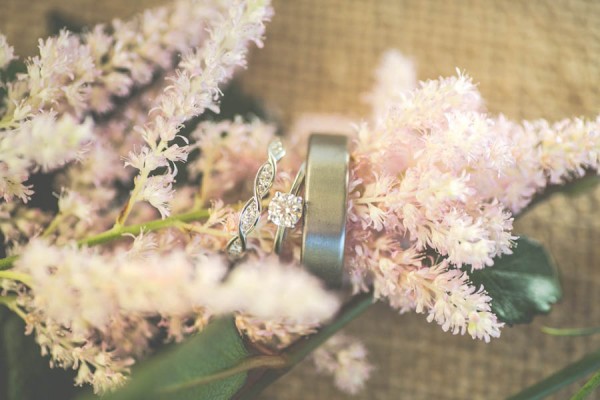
(25, 374)
(522, 284)
(172, 375)
(574, 188)
(588, 388)
(563, 378)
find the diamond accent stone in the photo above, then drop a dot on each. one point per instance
(235, 248)
(249, 216)
(265, 179)
(276, 149)
(285, 209)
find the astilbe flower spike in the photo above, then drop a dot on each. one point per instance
(435, 173)
(230, 153)
(74, 75)
(194, 88)
(412, 190)
(130, 53)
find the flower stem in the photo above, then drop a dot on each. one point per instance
(200, 229)
(560, 379)
(571, 331)
(11, 303)
(124, 214)
(117, 232)
(139, 184)
(53, 225)
(16, 276)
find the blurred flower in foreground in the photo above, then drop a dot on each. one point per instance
(345, 358)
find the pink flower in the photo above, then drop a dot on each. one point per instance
(419, 181)
(345, 358)
(195, 86)
(6, 52)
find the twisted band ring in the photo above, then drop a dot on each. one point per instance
(252, 210)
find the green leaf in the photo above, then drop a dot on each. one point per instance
(26, 374)
(582, 185)
(177, 374)
(560, 379)
(588, 388)
(594, 330)
(522, 284)
(572, 188)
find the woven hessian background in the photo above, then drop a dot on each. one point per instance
(532, 58)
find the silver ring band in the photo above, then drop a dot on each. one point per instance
(281, 229)
(326, 189)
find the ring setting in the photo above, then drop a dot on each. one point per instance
(285, 209)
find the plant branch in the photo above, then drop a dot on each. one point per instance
(16, 276)
(117, 232)
(53, 225)
(139, 183)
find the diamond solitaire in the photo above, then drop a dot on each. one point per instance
(285, 209)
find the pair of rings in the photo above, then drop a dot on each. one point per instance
(324, 176)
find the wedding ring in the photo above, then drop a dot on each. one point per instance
(326, 188)
(286, 209)
(252, 210)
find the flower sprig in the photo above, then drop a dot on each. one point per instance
(74, 75)
(435, 182)
(194, 89)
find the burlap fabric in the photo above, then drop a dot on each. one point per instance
(532, 58)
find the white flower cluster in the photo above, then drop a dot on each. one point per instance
(420, 183)
(230, 153)
(137, 49)
(74, 75)
(7, 52)
(345, 358)
(20, 157)
(545, 153)
(193, 89)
